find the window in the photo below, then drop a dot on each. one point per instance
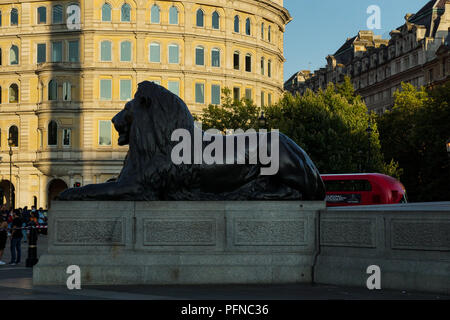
(269, 33)
(104, 133)
(53, 90)
(262, 98)
(236, 93)
(73, 51)
(125, 51)
(248, 94)
(42, 15)
(269, 98)
(52, 137)
(200, 18)
(262, 30)
(0, 103)
(14, 55)
(215, 57)
(262, 65)
(0, 54)
(155, 52)
(174, 87)
(13, 93)
(14, 136)
(105, 51)
(269, 68)
(174, 53)
(199, 93)
(248, 63)
(236, 24)
(125, 13)
(215, 94)
(14, 17)
(125, 89)
(57, 51)
(106, 13)
(200, 56)
(173, 15)
(67, 137)
(236, 60)
(215, 20)
(57, 14)
(154, 14)
(0, 18)
(248, 29)
(105, 89)
(67, 91)
(41, 52)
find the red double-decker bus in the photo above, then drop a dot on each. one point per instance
(362, 189)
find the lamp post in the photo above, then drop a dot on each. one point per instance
(10, 143)
(448, 147)
(262, 121)
(369, 131)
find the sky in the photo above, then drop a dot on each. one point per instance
(320, 27)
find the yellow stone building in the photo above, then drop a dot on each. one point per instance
(67, 67)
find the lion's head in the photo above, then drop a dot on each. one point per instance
(147, 122)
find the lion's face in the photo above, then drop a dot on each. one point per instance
(122, 122)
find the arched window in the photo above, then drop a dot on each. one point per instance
(262, 30)
(215, 57)
(14, 17)
(200, 56)
(236, 58)
(67, 91)
(106, 12)
(52, 138)
(125, 51)
(13, 134)
(57, 14)
(248, 62)
(125, 13)
(42, 15)
(262, 65)
(14, 55)
(236, 24)
(269, 33)
(200, 18)
(52, 90)
(248, 28)
(155, 52)
(174, 53)
(215, 20)
(173, 15)
(154, 14)
(269, 68)
(13, 93)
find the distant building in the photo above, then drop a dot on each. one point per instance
(417, 52)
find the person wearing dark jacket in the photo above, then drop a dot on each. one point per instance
(16, 238)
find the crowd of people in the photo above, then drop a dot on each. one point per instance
(16, 224)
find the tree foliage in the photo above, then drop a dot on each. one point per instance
(329, 125)
(414, 133)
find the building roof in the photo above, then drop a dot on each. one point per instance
(425, 16)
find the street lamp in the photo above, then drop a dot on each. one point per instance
(10, 143)
(448, 147)
(262, 121)
(369, 131)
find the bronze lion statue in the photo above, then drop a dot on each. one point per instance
(147, 124)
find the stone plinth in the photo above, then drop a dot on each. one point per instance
(181, 242)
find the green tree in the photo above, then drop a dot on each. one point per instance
(414, 133)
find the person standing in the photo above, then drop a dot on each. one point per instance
(16, 239)
(3, 236)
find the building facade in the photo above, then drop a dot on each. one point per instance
(67, 67)
(416, 53)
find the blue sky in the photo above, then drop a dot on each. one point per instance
(320, 27)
